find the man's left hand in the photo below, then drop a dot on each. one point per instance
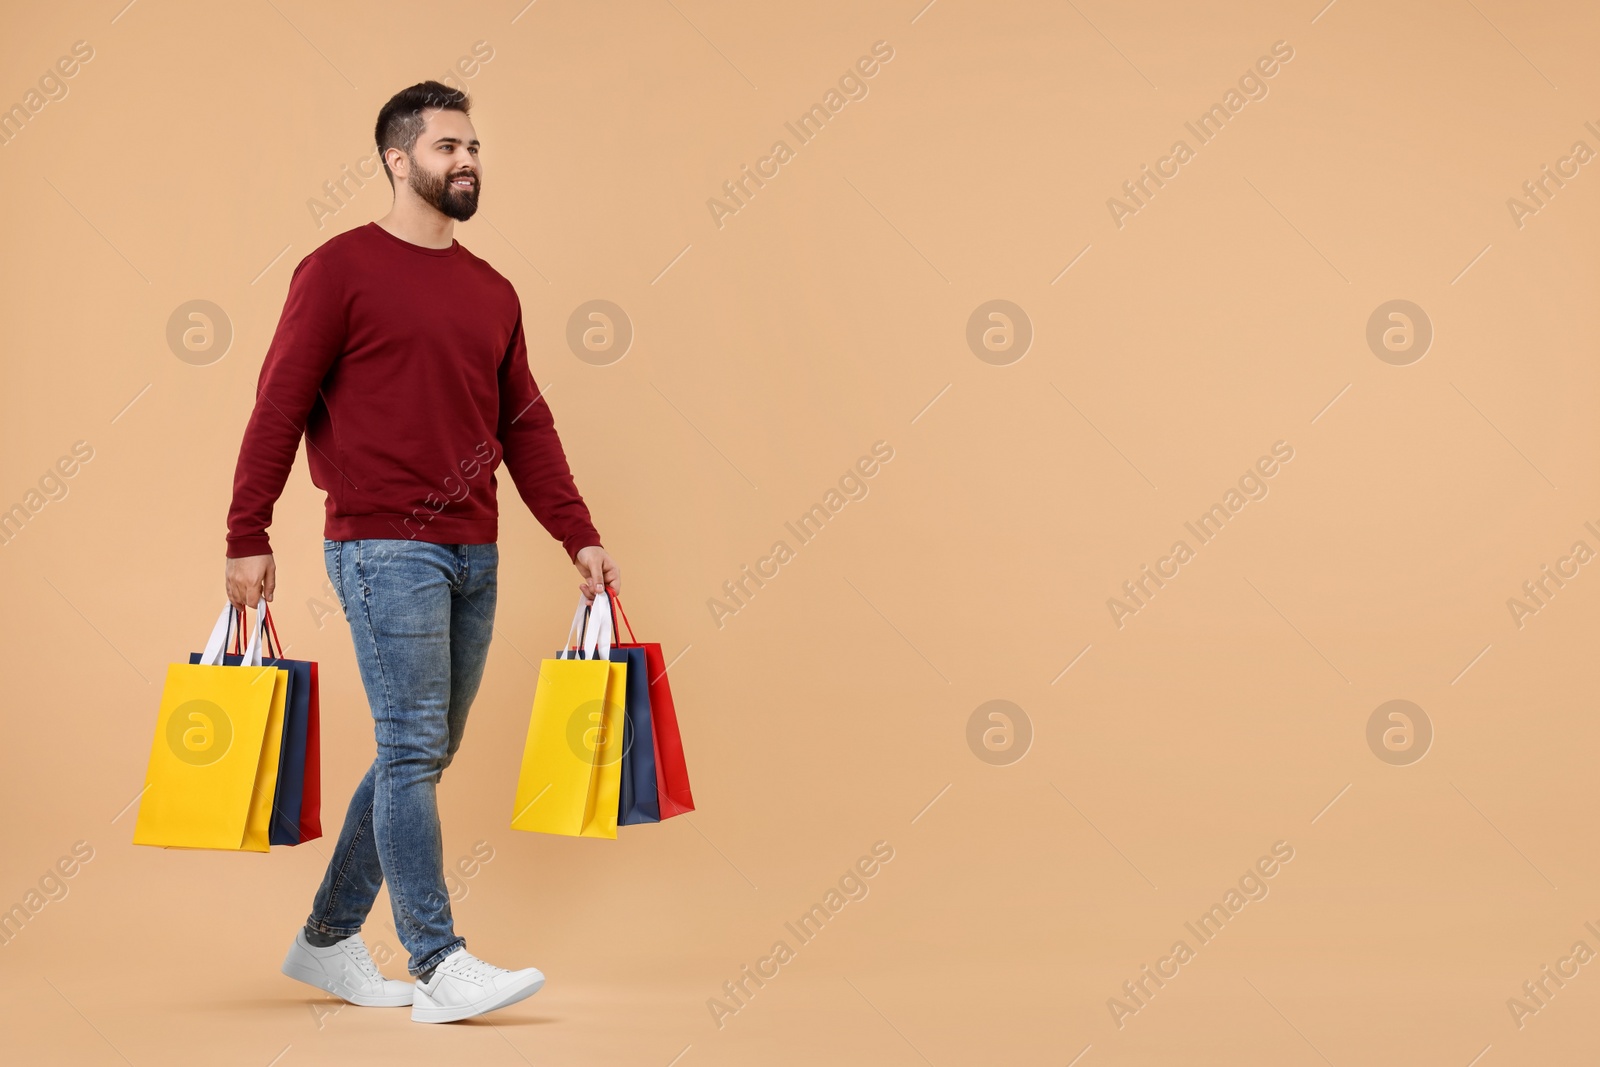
(599, 571)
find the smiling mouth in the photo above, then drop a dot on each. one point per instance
(464, 183)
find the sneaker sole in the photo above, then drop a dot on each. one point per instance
(322, 982)
(422, 1013)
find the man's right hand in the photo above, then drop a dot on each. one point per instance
(249, 578)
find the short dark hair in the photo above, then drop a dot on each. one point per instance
(400, 122)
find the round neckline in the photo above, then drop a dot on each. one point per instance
(424, 250)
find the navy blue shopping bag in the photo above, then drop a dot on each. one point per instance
(637, 801)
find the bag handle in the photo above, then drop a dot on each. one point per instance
(252, 651)
(617, 602)
(218, 640)
(272, 634)
(597, 633)
(223, 631)
(575, 630)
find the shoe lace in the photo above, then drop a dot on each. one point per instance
(472, 967)
(356, 949)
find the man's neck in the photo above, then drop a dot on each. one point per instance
(425, 227)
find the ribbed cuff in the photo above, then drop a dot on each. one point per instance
(577, 542)
(250, 545)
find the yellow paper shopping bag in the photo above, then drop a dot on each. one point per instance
(572, 761)
(213, 765)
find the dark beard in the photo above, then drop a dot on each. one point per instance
(437, 190)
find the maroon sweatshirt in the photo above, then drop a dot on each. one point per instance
(407, 370)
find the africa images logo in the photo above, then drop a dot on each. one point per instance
(199, 732)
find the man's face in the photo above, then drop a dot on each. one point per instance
(444, 167)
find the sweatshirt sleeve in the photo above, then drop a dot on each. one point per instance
(310, 336)
(533, 453)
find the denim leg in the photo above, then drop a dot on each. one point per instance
(399, 598)
(356, 870)
(354, 875)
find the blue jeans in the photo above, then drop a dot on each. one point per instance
(420, 616)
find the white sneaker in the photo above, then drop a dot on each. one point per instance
(463, 986)
(346, 970)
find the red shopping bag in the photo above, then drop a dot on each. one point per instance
(311, 801)
(672, 775)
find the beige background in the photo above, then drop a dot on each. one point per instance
(832, 711)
